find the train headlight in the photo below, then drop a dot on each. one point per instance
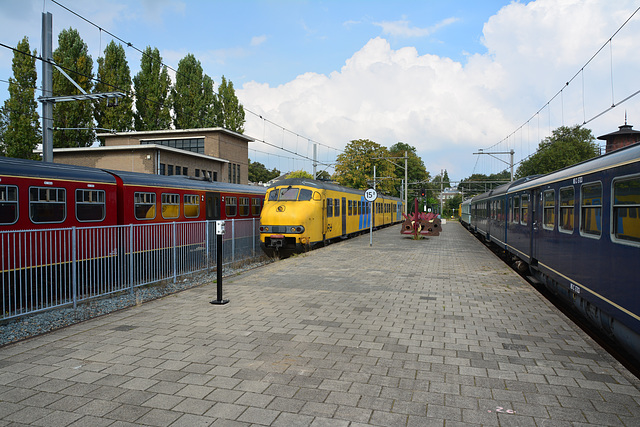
(264, 229)
(297, 229)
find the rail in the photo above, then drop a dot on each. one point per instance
(45, 269)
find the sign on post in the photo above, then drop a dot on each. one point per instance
(370, 196)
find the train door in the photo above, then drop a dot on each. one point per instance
(213, 205)
(324, 219)
(536, 223)
(344, 217)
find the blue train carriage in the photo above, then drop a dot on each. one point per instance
(300, 214)
(579, 230)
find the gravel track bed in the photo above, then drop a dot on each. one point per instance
(15, 330)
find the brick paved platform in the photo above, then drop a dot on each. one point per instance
(436, 332)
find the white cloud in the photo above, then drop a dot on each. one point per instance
(448, 109)
(258, 40)
(402, 29)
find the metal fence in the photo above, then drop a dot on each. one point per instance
(43, 269)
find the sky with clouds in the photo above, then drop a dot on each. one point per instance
(446, 77)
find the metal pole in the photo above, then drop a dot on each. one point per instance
(406, 181)
(315, 160)
(511, 164)
(219, 235)
(47, 87)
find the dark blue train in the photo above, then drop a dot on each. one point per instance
(578, 232)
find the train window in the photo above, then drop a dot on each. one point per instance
(256, 206)
(626, 209)
(170, 206)
(90, 205)
(524, 209)
(336, 207)
(567, 202)
(191, 205)
(244, 206)
(350, 207)
(273, 195)
(144, 205)
(549, 209)
(305, 195)
(329, 207)
(591, 209)
(230, 206)
(47, 204)
(288, 193)
(515, 216)
(8, 204)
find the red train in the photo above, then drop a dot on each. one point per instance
(37, 195)
(62, 237)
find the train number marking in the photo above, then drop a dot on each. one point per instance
(574, 288)
(577, 180)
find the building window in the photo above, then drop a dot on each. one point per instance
(229, 167)
(626, 209)
(549, 212)
(47, 204)
(90, 205)
(8, 204)
(170, 206)
(185, 171)
(144, 205)
(195, 145)
(567, 201)
(191, 206)
(591, 209)
(163, 169)
(178, 170)
(198, 173)
(214, 175)
(231, 207)
(170, 170)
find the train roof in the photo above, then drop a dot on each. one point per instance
(181, 181)
(321, 185)
(502, 189)
(37, 169)
(620, 157)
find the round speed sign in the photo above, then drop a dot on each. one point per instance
(370, 195)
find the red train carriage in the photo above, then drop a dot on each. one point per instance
(63, 224)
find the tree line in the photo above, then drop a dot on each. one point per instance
(151, 101)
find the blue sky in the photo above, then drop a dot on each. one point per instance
(447, 77)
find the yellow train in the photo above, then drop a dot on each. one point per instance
(300, 214)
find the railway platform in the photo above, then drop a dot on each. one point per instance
(432, 332)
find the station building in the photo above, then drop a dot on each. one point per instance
(215, 154)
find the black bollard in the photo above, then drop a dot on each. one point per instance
(219, 234)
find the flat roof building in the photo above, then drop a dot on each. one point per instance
(212, 153)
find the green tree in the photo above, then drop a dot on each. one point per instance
(565, 147)
(228, 111)
(189, 98)
(354, 167)
(151, 86)
(3, 129)
(259, 173)
(300, 174)
(417, 173)
(323, 176)
(21, 127)
(479, 183)
(72, 55)
(114, 75)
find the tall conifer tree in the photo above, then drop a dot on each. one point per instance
(190, 99)
(21, 128)
(114, 75)
(228, 111)
(72, 55)
(151, 86)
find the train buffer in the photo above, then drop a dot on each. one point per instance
(421, 223)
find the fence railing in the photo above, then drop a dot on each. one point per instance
(44, 269)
